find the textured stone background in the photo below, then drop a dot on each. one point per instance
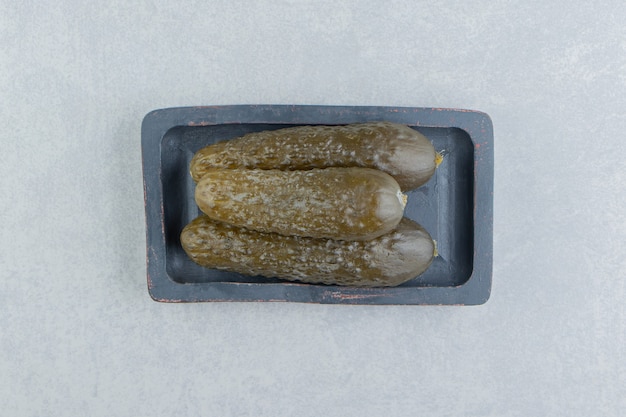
(79, 333)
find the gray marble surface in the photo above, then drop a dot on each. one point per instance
(79, 333)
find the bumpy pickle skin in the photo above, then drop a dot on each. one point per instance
(387, 261)
(334, 203)
(396, 149)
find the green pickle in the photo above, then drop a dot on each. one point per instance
(396, 149)
(389, 260)
(333, 203)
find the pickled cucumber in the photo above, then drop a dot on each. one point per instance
(389, 260)
(396, 149)
(334, 203)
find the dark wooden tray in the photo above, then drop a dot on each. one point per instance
(455, 206)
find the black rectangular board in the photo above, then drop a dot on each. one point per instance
(455, 206)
